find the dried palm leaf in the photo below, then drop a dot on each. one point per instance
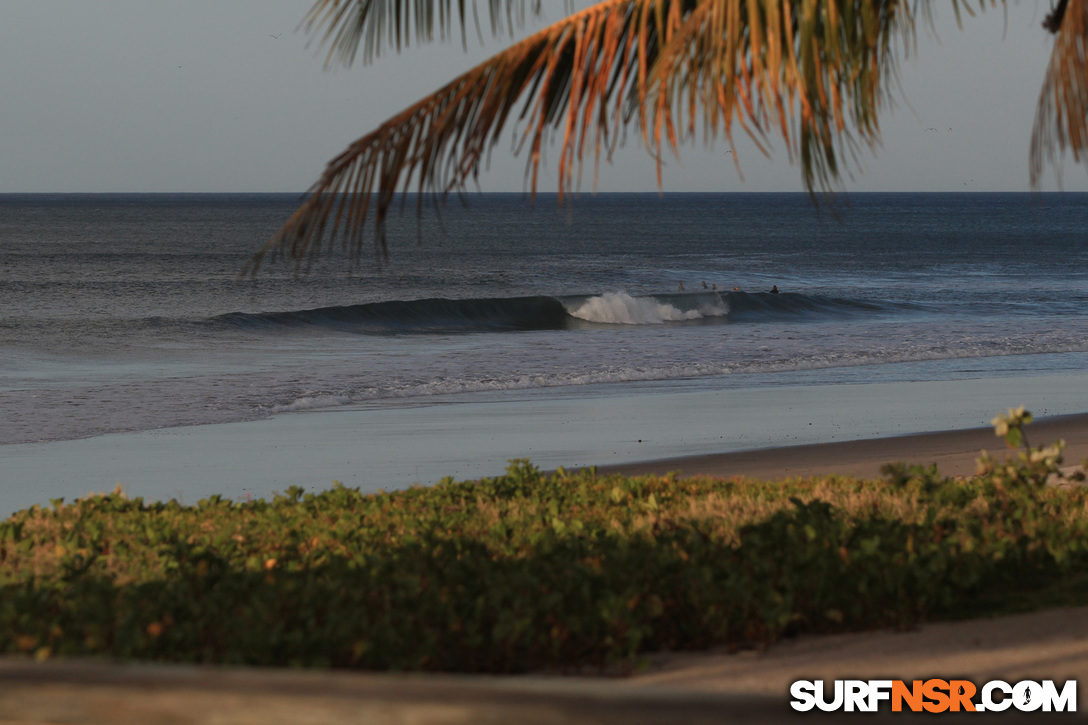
(810, 71)
(1061, 117)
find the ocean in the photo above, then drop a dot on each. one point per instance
(122, 315)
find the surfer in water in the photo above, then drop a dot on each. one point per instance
(774, 289)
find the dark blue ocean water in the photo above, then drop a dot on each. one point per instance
(126, 312)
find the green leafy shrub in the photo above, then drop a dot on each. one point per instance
(528, 570)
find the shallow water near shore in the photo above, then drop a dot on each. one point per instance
(512, 330)
(392, 447)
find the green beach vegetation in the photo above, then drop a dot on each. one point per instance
(527, 570)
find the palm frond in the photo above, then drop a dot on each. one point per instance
(813, 72)
(1061, 117)
(810, 71)
(347, 26)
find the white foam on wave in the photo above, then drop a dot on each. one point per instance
(620, 308)
(313, 402)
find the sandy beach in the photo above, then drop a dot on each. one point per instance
(707, 687)
(954, 452)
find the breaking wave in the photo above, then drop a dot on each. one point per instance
(496, 314)
(620, 308)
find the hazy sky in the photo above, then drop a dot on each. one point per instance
(157, 96)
